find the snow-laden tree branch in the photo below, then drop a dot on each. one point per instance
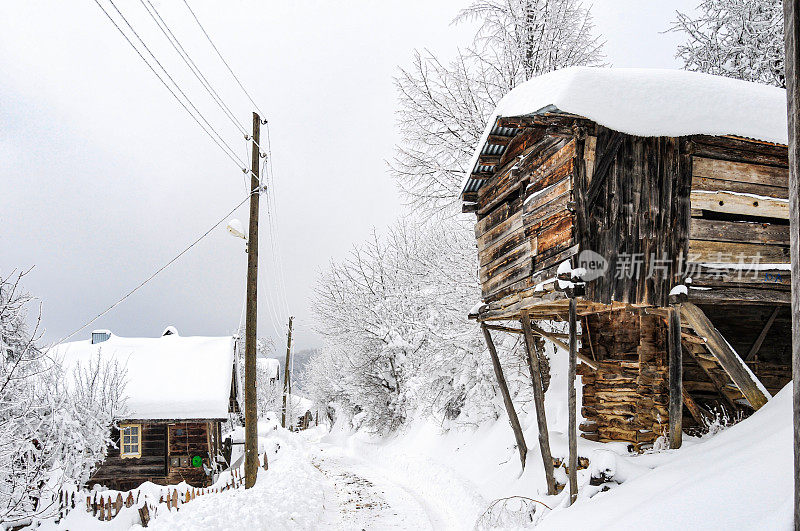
(742, 39)
(444, 105)
(55, 421)
(397, 338)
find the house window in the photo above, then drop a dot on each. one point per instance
(130, 440)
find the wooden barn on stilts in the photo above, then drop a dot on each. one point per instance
(647, 208)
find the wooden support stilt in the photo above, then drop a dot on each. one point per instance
(675, 354)
(762, 336)
(573, 414)
(717, 381)
(726, 356)
(538, 398)
(501, 382)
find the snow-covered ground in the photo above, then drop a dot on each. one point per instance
(740, 478)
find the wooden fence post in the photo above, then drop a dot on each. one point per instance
(144, 515)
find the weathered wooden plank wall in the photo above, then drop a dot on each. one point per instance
(159, 442)
(739, 207)
(189, 439)
(533, 182)
(116, 471)
(638, 212)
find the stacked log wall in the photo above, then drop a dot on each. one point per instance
(524, 225)
(627, 397)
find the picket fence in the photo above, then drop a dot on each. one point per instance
(106, 505)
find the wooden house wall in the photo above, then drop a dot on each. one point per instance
(188, 439)
(159, 443)
(658, 198)
(524, 226)
(119, 473)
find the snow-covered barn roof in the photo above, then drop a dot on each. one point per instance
(646, 102)
(168, 377)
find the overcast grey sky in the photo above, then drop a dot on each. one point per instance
(105, 178)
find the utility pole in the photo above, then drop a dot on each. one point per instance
(791, 29)
(286, 387)
(250, 405)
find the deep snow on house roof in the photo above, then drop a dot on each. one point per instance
(650, 102)
(270, 365)
(168, 377)
(301, 403)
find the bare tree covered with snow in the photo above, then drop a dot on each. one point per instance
(742, 39)
(54, 424)
(397, 338)
(444, 105)
(269, 384)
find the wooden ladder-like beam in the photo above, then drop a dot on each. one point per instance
(727, 358)
(763, 335)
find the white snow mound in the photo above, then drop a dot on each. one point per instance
(168, 377)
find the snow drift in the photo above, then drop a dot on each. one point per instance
(741, 478)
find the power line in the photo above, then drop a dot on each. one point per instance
(226, 149)
(272, 216)
(223, 59)
(191, 64)
(189, 101)
(279, 298)
(159, 270)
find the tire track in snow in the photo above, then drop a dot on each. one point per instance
(368, 499)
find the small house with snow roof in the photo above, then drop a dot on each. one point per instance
(177, 392)
(270, 369)
(654, 204)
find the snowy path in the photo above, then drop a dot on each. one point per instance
(368, 498)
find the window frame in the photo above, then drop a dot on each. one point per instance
(122, 443)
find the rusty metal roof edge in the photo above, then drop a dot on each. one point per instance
(473, 185)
